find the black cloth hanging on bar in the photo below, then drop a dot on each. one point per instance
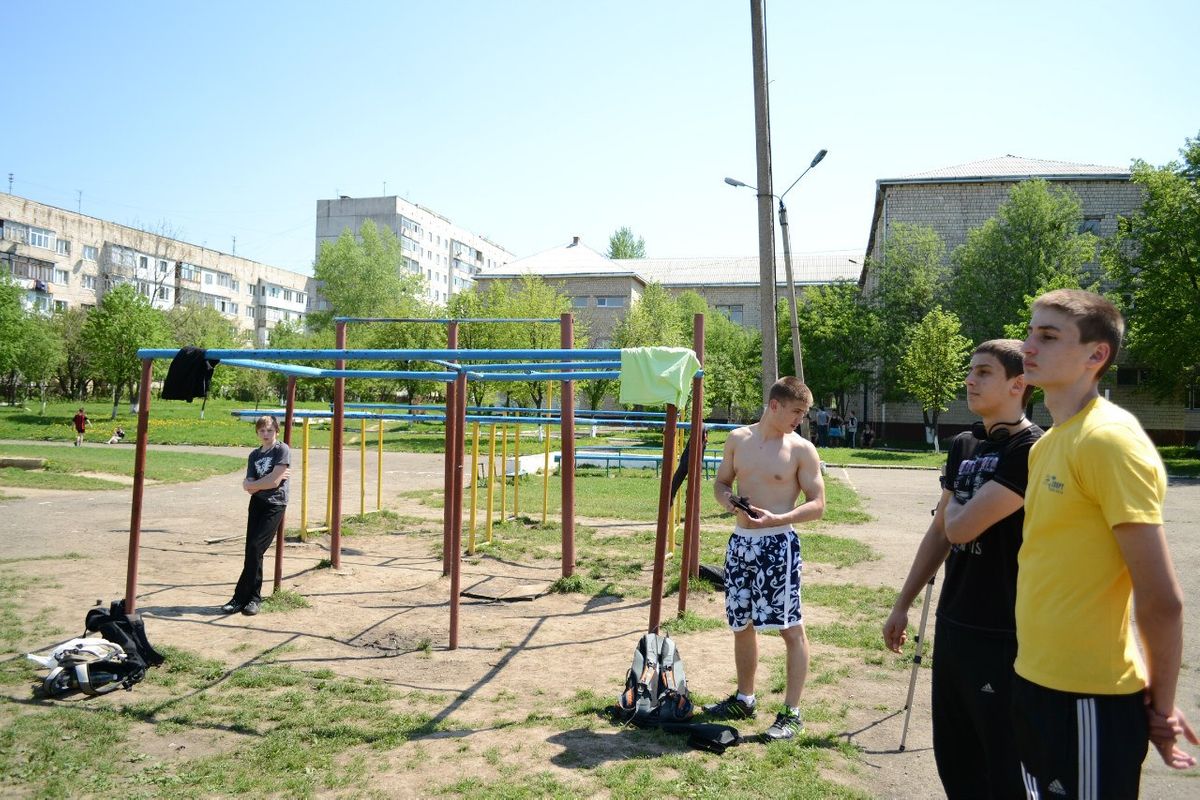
(189, 375)
(681, 470)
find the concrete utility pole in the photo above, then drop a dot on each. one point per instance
(766, 216)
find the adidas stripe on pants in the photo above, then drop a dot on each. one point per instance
(1079, 746)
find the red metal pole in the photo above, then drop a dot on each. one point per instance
(566, 464)
(451, 423)
(689, 563)
(335, 455)
(456, 499)
(287, 439)
(664, 517)
(139, 485)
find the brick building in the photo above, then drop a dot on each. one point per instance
(954, 200)
(603, 289)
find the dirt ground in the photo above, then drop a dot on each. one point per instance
(378, 615)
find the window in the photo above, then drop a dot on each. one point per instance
(610, 302)
(274, 291)
(143, 262)
(188, 273)
(250, 312)
(89, 253)
(734, 312)
(235, 285)
(40, 237)
(287, 295)
(1090, 225)
(300, 297)
(250, 289)
(224, 280)
(62, 276)
(579, 302)
(208, 278)
(89, 282)
(162, 265)
(62, 247)
(26, 267)
(1193, 394)
(1132, 376)
(60, 305)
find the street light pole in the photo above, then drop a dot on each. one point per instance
(797, 351)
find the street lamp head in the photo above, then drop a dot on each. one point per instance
(817, 158)
(735, 182)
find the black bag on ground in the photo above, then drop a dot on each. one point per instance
(129, 632)
(656, 684)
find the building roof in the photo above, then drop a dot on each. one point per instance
(808, 268)
(1014, 167)
(577, 260)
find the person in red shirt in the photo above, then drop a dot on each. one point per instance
(80, 421)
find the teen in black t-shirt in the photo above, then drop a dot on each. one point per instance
(976, 531)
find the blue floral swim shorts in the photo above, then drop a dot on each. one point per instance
(762, 579)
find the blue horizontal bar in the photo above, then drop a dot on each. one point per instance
(560, 365)
(443, 321)
(600, 423)
(396, 355)
(541, 376)
(315, 372)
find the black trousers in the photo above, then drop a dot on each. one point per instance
(262, 521)
(973, 741)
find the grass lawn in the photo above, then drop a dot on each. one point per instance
(1181, 461)
(63, 465)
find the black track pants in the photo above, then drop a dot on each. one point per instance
(262, 521)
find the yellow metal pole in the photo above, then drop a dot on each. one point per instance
(304, 482)
(329, 489)
(474, 484)
(546, 476)
(491, 479)
(362, 468)
(517, 471)
(379, 477)
(503, 468)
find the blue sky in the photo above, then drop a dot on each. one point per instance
(531, 122)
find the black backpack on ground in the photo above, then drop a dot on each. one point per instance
(656, 685)
(95, 669)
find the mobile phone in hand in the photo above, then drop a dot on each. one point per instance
(744, 504)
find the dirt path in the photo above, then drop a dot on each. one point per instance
(385, 613)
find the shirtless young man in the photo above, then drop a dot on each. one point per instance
(772, 466)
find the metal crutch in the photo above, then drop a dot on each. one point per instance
(920, 644)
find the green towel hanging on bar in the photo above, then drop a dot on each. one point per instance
(653, 376)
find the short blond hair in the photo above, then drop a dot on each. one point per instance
(790, 389)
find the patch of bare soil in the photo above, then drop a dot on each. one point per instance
(385, 614)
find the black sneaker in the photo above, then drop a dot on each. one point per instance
(731, 708)
(232, 607)
(251, 608)
(786, 725)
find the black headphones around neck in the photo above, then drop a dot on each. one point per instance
(998, 432)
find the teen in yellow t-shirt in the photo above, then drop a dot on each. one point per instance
(1094, 547)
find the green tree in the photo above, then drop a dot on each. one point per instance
(74, 369)
(654, 320)
(1033, 241)
(933, 364)
(535, 298)
(41, 352)
(1154, 262)
(362, 276)
(836, 332)
(12, 328)
(623, 244)
(731, 358)
(909, 280)
(123, 322)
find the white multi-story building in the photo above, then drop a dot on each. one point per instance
(446, 255)
(68, 260)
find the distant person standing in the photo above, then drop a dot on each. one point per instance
(868, 435)
(266, 481)
(851, 430)
(80, 422)
(822, 426)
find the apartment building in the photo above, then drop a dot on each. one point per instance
(68, 260)
(446, 255)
